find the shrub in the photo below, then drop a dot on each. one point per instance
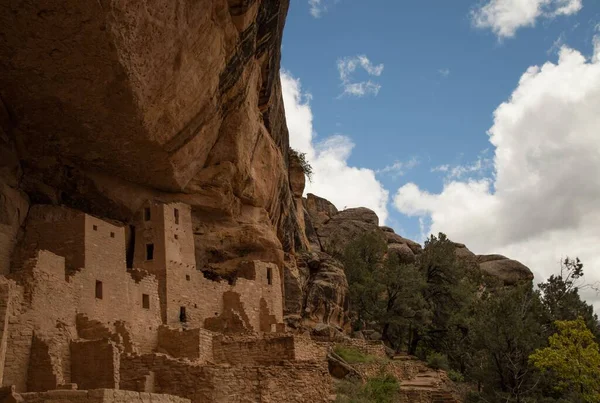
(437, 361)
(352, 355)
(456, 376)
(306, 167)
(380, 389)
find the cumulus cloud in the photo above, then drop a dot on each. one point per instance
(348, 65)
(541, 202)
(505, 17)
(333, 179)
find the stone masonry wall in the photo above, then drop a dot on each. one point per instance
(291, 382)
(193, 344)
(253, 303)
(98, 396)
(95, 364)
(253, 351)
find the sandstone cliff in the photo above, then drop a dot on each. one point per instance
(105, 105)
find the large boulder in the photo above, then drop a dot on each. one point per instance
(509, 271)
(392, 238)
(319, 209)
(346, 226)
(403, 252)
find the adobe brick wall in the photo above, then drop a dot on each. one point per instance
(99, 396)
(43, 373)
(95, 364)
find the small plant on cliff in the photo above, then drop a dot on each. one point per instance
(437, 361)
(306, 167)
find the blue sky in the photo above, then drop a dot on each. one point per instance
(393, 101)
(442, 79)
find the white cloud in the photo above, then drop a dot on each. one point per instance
(348, 65)
(333, 178)
(505, 17)
(482, 166)
(541, 204)
(319, 7)
(445, 72)
(399, 168)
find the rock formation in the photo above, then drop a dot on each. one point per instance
(152, 218)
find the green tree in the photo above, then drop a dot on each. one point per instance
(560, 296)
(573, 358)
(507, 329)
(384, 293)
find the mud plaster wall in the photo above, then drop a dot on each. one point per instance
(293, 382)
(98, 396)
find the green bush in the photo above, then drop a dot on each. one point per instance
(456, 376)
(380, 389)
(437, 361)
(352, 355)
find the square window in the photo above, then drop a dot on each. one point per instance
(112, 234)
(150, 251)
(176, 236)
(98, 289)
(147, 214)
(145, 301)
(176, 212)
(187, 277)
(95, 227)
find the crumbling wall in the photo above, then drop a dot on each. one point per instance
(194, 344)
(95, 364)
(252, 350)
(44, 372)
(305, 349)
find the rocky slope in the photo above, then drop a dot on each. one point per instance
(316, 287)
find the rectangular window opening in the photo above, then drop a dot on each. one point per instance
(176, 211)
(150, 251)
(182, 315)
(269, 276)
(145, 301)
(98, 289)
(112, 234)
(187, 277)
(95, 227)
(147, 215)
(176, 236)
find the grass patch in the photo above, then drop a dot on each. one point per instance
(354, 356)
(380, 389)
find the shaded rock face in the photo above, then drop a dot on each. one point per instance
(345, 226)
(325, 297)
(109, 104)
(509, 271)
